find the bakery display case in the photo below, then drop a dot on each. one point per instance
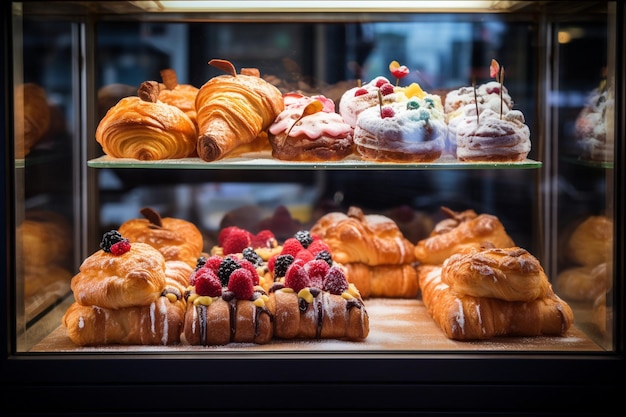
(407, 201)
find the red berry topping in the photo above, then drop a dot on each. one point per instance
(305, 255)
(236, 241)
(271, 262)
(120, 247)
(317, 246)
(335, 281)
(387, 112)
(386, 89)
(263, 239)
(360, 92)
(246, 264)
(240, 283)
(221, 238)
(494, 90)
(296, 277)
(381, 81)
(317, 270)
(207, 283)
(291, 247)
(213, 263)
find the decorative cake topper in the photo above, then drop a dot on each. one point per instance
(497, 72)
(398, 71)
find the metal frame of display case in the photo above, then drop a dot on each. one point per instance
(442, 383)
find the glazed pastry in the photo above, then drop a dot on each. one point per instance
(461, 231)
(309, 129)
(583, 283)
(411, 131)
(493, 137)
(465, 317)
(110, 94)
(591, 242)
(233, 110)
(182, 96)
(377, 257)
(146, 129)
(176, 239)
(357, 99)
(315, 301)
(225, 304)
(126, 293)
(32, 117)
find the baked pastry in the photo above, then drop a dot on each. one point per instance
(594, 126)
(372, 249)
(125, 293)
(467, 317)
(315, 301)
(32, 117)
(493, 137)
(309, 129)
(110, 94)
(583, 283)
(357, 99)
(459, 232)
(182, 96)
(491, 94)
(411, 131)
(146, 129)
(234, 110)
(176, 239)
(225, 304)
(591, 242)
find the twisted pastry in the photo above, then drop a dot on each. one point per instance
(234, 110)
(146, 129)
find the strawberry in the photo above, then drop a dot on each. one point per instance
(246, 264)
(291, 247)
(296, 277)
(207, 283)
(335, 281)
(316, 270)
(240, 283)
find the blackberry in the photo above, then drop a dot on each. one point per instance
(200, 263)
(226, 268)
(325, 256)
(109, 239)
(252, 256)
(281, 265)
(304, 237)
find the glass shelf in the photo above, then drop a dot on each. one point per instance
(264, 160)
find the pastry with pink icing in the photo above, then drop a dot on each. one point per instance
(309, 129)
(357, 99)
(493, 137)
(408, 131)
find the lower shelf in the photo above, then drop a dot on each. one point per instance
(396, 325)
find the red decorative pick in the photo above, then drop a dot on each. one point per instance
(398, 71)
(497, 72)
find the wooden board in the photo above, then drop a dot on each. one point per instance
(396, 325)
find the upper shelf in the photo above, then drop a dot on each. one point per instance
(264, 160)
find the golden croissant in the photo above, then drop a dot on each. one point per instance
(233, 110)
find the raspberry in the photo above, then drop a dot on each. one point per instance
(224, 233)
(214, 262)
(236, 241)
(245, 264)
(291, 247)
(316, 270)
(281, 264)
(325, 256)
(120, 247)
(305, 255)
(240, 283)
(335, 281)
(318, 246)
(296, 277)
(207, 283)
(386, 112)
(360, 92)
(226, 268)
(386, 89)
(271, 262)
(263, 239)
(381, 81)
(250, 255)
(304, 237)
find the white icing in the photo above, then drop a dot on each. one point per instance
(460, 317)
(351, 106)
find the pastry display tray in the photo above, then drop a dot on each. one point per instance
(396, 325)
(258, 160)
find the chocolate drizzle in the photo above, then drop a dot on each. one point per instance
(202, 321)
(319, 307)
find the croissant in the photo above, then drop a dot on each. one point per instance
(371, 239)
(325, 316)
(465, 317)
(462, 231)
(591, 241)
(182, 96)
(146, 129)
(32, 117)
(386, 281)
(176, 239)
(233, 110)
(583, 283)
